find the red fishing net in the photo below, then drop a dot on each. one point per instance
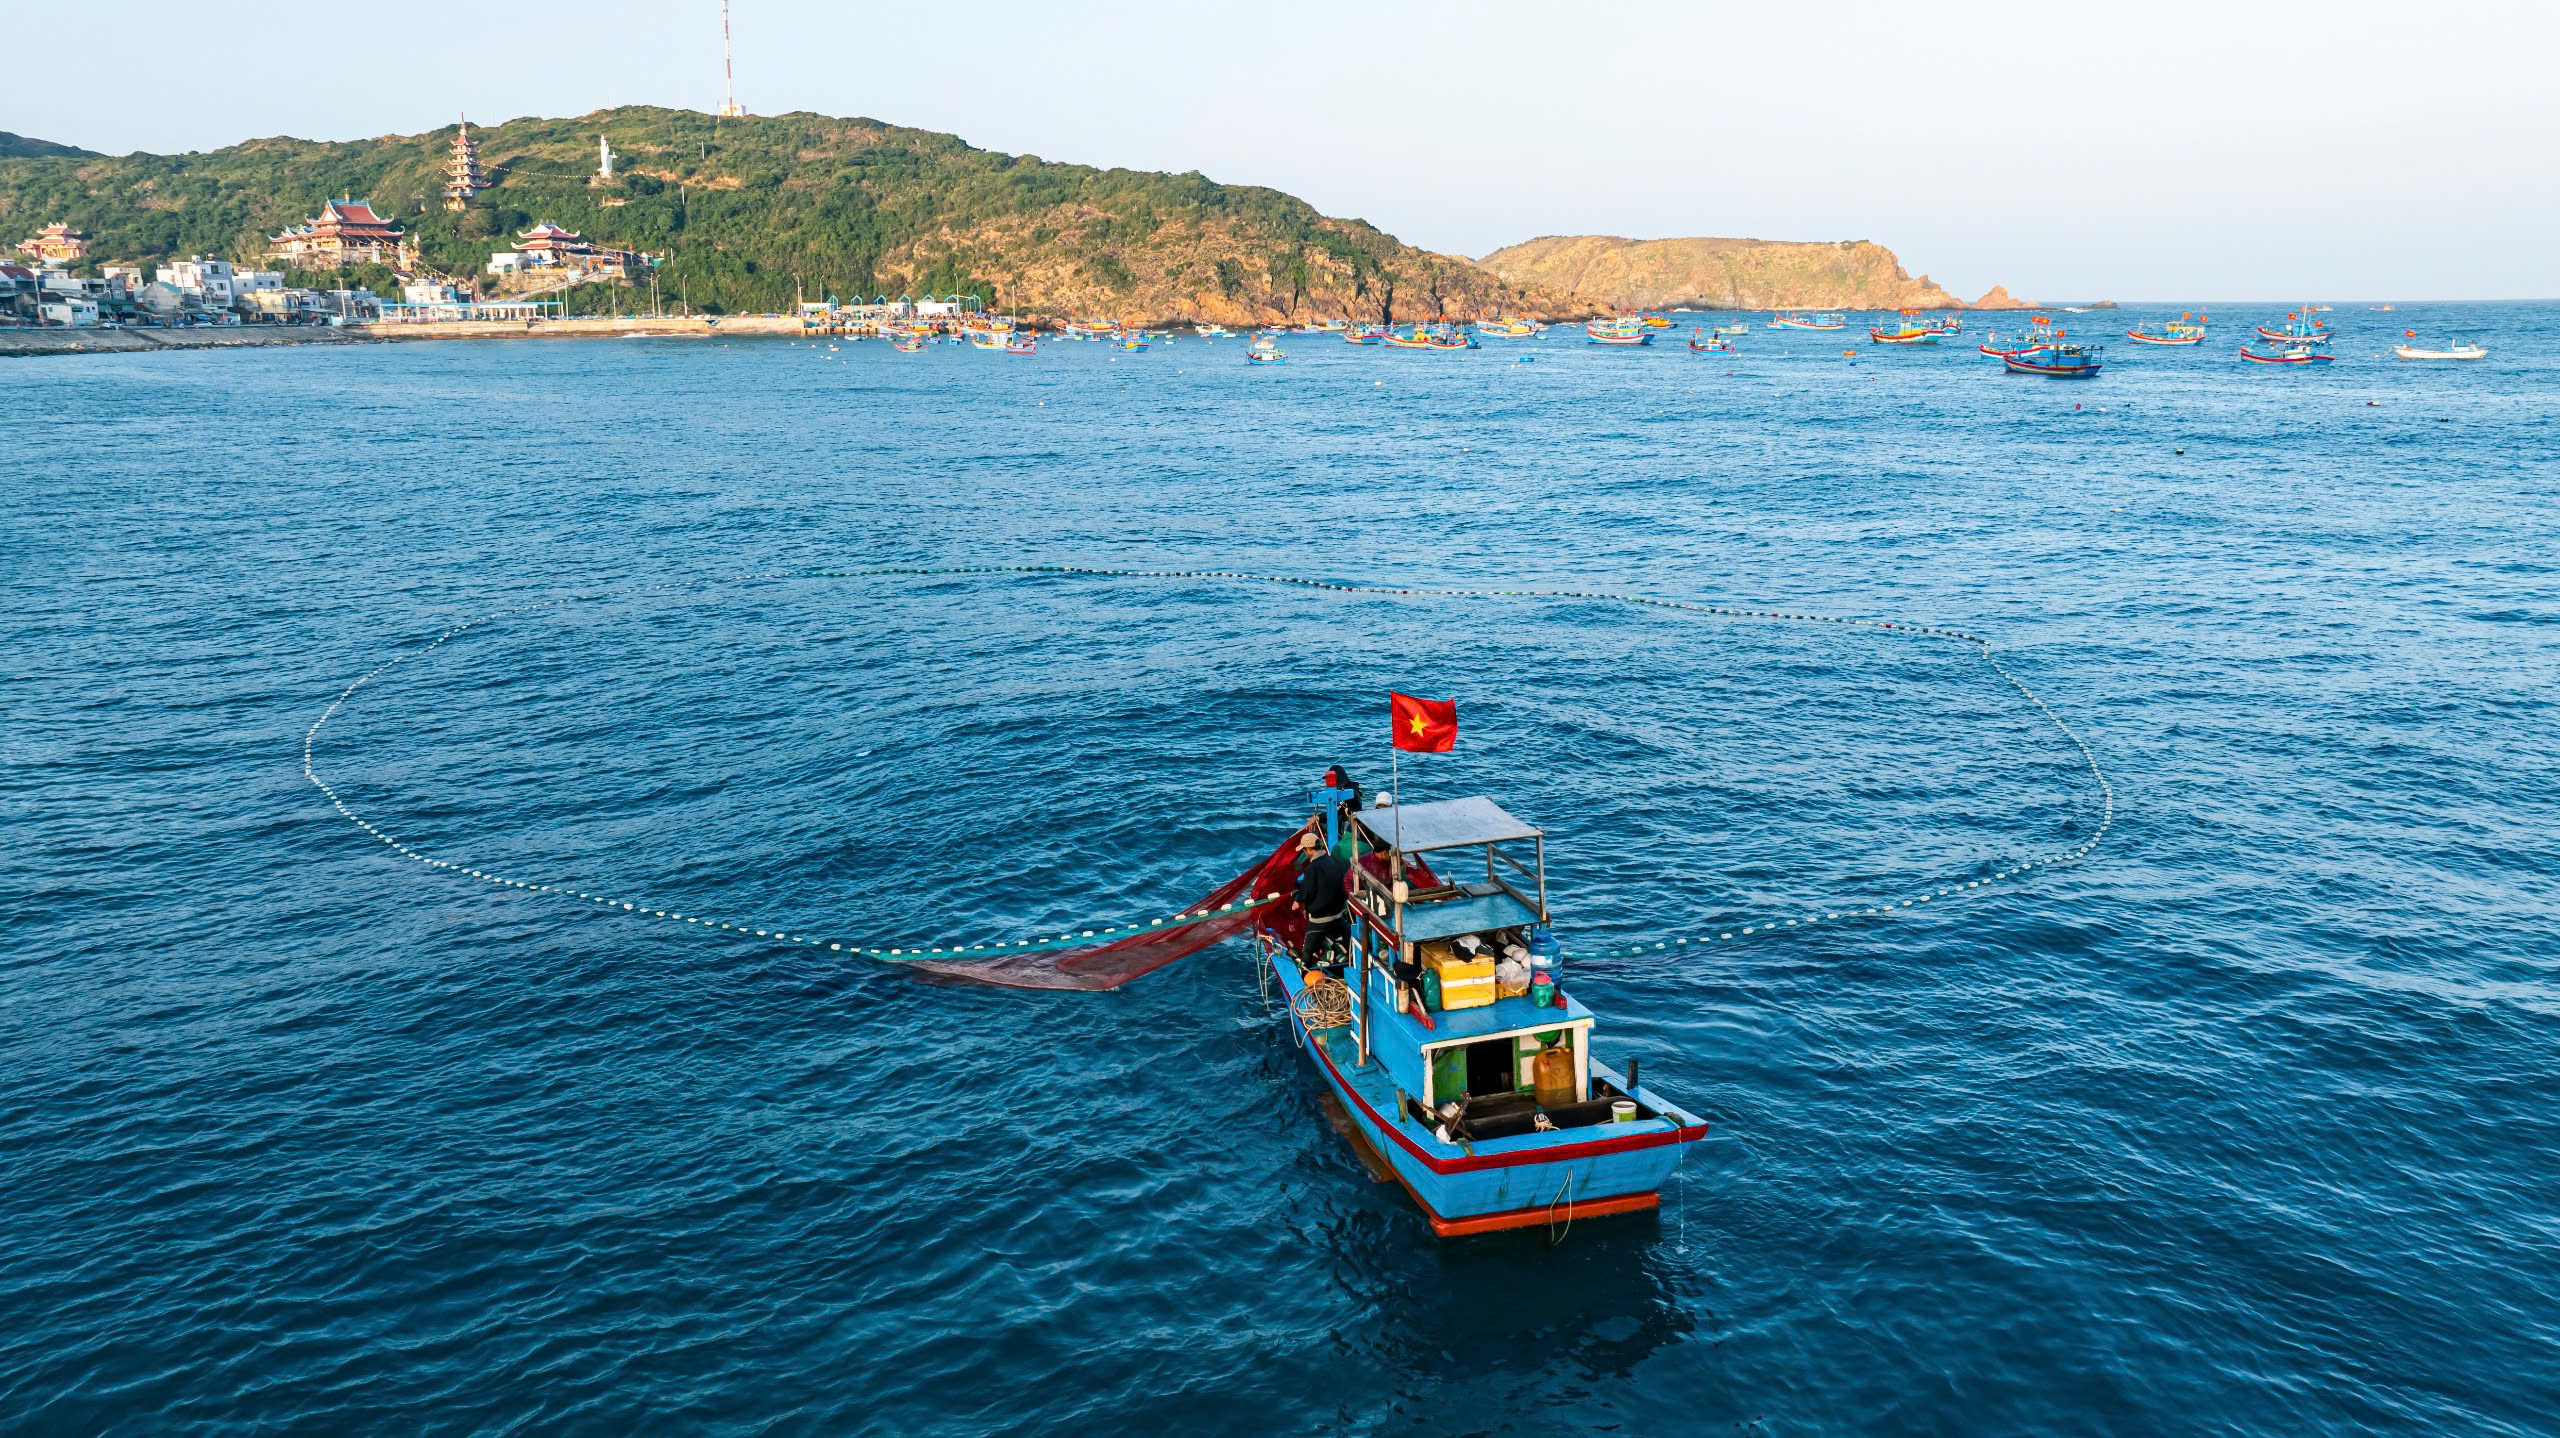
(1110, 963)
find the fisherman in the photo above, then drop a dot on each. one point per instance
(1323, 896)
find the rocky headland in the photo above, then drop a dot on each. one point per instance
(1709, 273)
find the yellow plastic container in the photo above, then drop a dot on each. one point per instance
(1464, 983)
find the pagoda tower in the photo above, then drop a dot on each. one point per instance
(463, 176)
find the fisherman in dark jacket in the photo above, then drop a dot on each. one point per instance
(1323, 897)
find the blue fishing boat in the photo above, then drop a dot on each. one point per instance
(1461, 1067)
(1265, 350)
(1629, 330)
(2057, 361)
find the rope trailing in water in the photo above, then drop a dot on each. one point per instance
(1076, 939)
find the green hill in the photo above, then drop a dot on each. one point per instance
(29, 147)
(742, 208)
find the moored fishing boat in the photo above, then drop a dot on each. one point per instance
(1210, 332)
(1432, 337)
(1133, 341)
(1654, 321)
(1021, 343)
(2459, 350)
(1365, 334)
(1265, 350)
(2301, 327)
(1463, 1069)
(2295, 354)
(2184, 330)
(1626, 330)
(1908, 330)
(1506, 327)
(1701, 342)
(2039, 334)
(1091, 329)
(2057, 361)
(1828, 320)
(1738, 327)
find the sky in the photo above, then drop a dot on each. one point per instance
(2164, 151)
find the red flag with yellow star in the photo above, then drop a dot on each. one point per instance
(1425, 726)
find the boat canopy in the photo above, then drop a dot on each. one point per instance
(1443, 824)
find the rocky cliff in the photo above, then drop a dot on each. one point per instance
(1718, 274)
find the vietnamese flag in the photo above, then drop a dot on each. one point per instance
(1425, 726)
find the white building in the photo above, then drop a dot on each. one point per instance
(74, 308)
(428, 295)
(212, 280)
(248, 282)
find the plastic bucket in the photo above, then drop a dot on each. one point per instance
(1623, 1111)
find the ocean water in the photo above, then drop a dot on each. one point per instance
(2241, 1124)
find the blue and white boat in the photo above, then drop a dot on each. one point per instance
(1461, 1067)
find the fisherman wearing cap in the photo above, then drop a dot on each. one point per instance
(1336, 802)
(1323, 895)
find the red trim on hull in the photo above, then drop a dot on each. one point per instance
(1544, 1214)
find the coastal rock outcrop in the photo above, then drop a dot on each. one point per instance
(1710, 273)
(1998, 299)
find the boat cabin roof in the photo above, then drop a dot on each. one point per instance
(1442, 824)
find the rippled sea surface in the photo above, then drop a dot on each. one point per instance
(2244, 1124)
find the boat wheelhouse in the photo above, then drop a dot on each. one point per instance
(2039, 334)
(1462, 1068)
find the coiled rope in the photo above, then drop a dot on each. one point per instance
(792, 935)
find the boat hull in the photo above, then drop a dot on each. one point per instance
(2026, 362)
(1535, 1180)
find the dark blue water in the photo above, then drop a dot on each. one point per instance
(2242, 1124)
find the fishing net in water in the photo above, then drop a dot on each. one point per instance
(1239, 904)
(1257, 899)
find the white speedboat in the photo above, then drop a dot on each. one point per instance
(2457, 352)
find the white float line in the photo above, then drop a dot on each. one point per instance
(1759, 928)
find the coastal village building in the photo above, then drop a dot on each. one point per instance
(17, 294)
(346, 232)
(211, 280)
(463, 176)
(55, 244)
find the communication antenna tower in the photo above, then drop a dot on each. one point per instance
(728, 67)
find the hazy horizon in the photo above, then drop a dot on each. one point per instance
(2277, 152)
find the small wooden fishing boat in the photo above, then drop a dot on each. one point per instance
(2301, 327)
(1907, 331)
(1432, 337)
(1133, 342)
(2297, 354)
(2039, 334)
(1737, 328)
(1365, 334)
(910, 344)
(1265, 350)
(1463, 1069)
(1021, 344)
(1702, 343)
(1654, 321)
(2184, 330)
(1627, 330)
(986, 340)
(2057, 361)
(1210, 332)
(2459, 351)
(1091, 329)
(1829, 320)
(1506, 327)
